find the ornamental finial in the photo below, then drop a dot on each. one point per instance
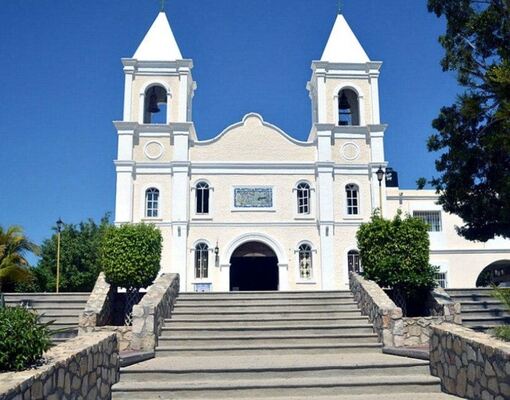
(340, 6)
(162, 5)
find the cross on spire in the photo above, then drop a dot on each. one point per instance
(340, 6)
(162, 2)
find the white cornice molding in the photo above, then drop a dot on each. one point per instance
(471, 251)
(173, 128)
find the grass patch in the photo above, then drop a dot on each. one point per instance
(502, 332)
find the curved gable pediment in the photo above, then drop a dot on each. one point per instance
(252, 139)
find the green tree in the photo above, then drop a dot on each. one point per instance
(473, 134)
(79, 257)
(131, 255)
(14, 247)
(395, 254)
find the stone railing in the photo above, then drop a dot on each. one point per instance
(99, 306)
(149, 314)
(83, 367)
(471, 365)
(417, 330)
(380, 309)
(392, 328)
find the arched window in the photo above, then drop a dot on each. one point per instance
(202, 198)
(348, 107)
(152, 203)
(303, 198)
(305, 262)
(352, 196)
(201, 260)
(353, 261)
(155, 105)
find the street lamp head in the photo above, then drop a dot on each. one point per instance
(60, 225)
(380, 174)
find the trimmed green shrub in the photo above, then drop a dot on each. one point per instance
(502, 294)
(131, 255)
(395, 254)
(23, 339)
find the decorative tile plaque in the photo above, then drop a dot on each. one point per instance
(253, 197)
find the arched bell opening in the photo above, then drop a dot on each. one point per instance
(155, 105)
(496, 273)
(254, 267)
(348, 108)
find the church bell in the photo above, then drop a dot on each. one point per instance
(153, 102)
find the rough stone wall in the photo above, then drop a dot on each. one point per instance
(84, 367)
(470, 364)
(417, 330)
(380, 309)
(99, 306)
(149, 314)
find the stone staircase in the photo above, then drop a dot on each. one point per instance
(480, 311)
(281, 345)
(63, 308)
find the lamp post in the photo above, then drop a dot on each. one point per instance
(60, 225)
(380, 175)
(217, 255)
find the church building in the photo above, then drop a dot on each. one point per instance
(256, 209)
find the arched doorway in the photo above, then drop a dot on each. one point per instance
(253, 267)
(496, 273)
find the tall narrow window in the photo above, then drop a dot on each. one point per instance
(152, 203)
(353, 261)
(441, 279)
(305, 262)
(202, 197)
(352, 193)
(201, 260)
(303, 198)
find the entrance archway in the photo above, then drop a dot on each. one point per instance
(496, 273)
(253, 267)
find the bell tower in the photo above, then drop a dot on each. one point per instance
(344, 92)
(158, 97)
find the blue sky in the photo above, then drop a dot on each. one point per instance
(62, 85)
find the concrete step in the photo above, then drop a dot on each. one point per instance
(46, 296)
(67, 320)
(272, 308)
(199, 314)
(201, 331)
(392, 396)
(252, 295)
(272, 348)
(278, 387)
(212, 303)
(203, 324)
(37, 305)
(484, 312)
(177, 369)
(221, 340)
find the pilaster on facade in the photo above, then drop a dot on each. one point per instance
(124, 191)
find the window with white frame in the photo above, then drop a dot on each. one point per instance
(201, 260)
(352, 196)
(431, 218)
(152, 203)
(202, 198)
(305, 262)
(303, 198)
(441, 279)
(353, 261)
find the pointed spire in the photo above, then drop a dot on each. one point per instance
(159, 43)
(343, 46)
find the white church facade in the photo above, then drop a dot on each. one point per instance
(255, 209)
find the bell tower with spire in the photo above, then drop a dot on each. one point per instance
(344, 92)
(158, 97)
